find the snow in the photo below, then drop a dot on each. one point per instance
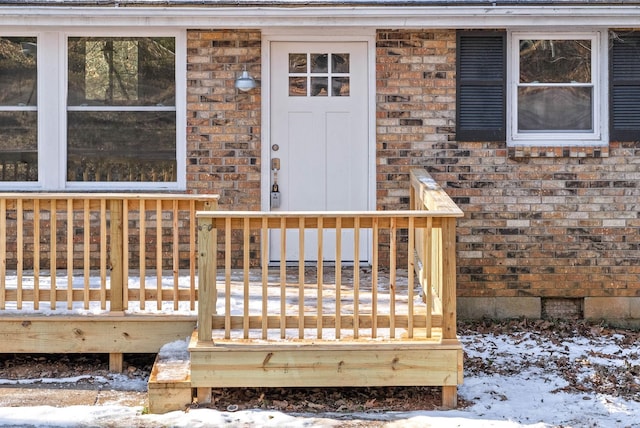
(518, 387)
(524, 390)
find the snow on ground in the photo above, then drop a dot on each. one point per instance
(512, 379)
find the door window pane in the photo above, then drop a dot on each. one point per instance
(340, 86)
(297, 63)
(319, 87)
(319, 63)
(297, 86)
(327, 75)
(340, 63)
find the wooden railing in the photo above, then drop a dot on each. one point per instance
(435, 247)
(67, 251)
(337, 300)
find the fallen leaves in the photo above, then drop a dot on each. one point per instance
(609, 364)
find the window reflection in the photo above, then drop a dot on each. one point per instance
(340, 63)
(142, 147)
(555, 109)
(555, 61)
(106, 142)
(297, 63)
(319, 63)
(121, 71)
(18, 146)
(18, 71)
(340, 86)
(319, 74)
(298, 86)
(319, 87)
(19, 120)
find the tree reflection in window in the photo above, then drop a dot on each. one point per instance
(121, 123)
(555, 90)
(19, 115)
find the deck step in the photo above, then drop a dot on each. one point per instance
(169, 385)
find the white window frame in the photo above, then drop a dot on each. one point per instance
(52, 111)
(599, 136)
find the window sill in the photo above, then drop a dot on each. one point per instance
(558, 151)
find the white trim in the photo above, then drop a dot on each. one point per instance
(599, 136)
(476, 16)
(265, 135)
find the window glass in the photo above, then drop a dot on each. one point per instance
(319, 74)
(555, 109)
(141, 147)
(121, 123)
(19, 117)
(114, 71)
(297, 63)
(340, 63)
(555, 61)
(555, 90)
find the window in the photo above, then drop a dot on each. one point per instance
(103, 114)
(121, 120)
(555, 93)
(532, 89)
(319, 74)
(18, 109)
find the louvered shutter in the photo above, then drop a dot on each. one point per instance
(481, 86)
(625, 88)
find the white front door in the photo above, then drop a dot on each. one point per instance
(319, 135)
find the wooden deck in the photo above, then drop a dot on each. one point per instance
(66, 265)
(320, 324)
(113, 273)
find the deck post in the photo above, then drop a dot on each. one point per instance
(207, 271)
(449, 278)
(116, 258)
(117, 287)
(449, 393)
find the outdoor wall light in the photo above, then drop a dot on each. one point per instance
(245, 82)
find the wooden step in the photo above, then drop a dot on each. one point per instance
(169, 385)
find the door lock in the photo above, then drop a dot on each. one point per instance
(275, 196)
(275, 190)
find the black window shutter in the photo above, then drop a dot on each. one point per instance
(481, 86)
(624, 92)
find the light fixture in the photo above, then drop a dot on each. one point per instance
(245, 82)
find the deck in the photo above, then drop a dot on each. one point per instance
(328, 324)
(120, 273)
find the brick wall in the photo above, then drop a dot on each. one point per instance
(223, 124)
(548, 225)
(540, 222)
(415, 111)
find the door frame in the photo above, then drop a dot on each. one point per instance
(367, 36)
